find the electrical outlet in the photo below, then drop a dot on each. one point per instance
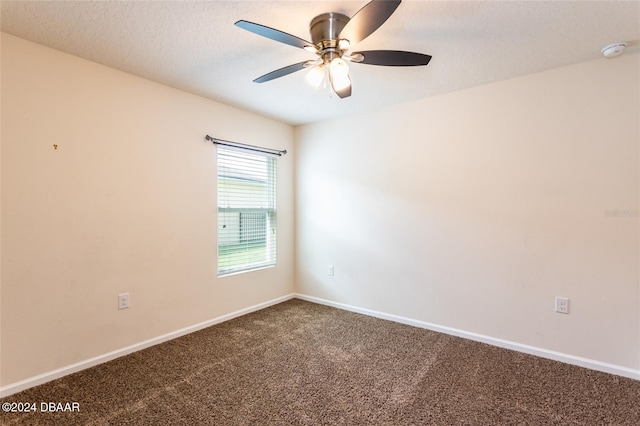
(123, 301)
(330, 270)
(562, 305)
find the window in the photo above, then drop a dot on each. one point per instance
(246, 211)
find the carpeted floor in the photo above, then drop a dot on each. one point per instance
(301, 363)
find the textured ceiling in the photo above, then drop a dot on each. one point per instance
(194, 46)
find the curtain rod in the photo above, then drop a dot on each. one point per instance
(277, 152)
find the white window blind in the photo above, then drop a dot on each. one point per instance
(246, 210)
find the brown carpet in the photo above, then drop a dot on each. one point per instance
(302, 363)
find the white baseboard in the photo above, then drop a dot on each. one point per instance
(82, 365)
(519, 347)
(544, 353)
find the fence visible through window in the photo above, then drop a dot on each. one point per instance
(253, 228)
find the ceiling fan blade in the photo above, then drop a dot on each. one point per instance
(282, 72)
(393, 58)
(368, 19)
(274, 34)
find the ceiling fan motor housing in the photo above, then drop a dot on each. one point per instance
(325, 30)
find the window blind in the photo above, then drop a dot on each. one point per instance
(246, 210)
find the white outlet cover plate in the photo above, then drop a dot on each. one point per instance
(562, 305)
(123, 301)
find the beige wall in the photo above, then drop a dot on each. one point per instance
(127, 203)
(473, 210)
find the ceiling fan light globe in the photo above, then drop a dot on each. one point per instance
(339, 73)
(343, 44)
(339, 84)
(315, 76)
(338, 67)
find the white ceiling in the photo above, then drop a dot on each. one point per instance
(194, 46)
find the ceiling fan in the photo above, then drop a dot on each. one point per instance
(332, 36)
